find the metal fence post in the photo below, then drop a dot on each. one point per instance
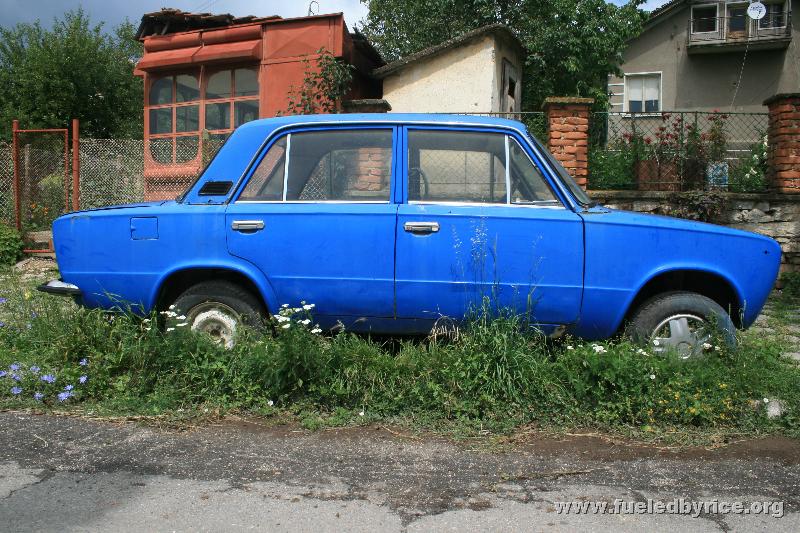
(76, 165)
(15, 157)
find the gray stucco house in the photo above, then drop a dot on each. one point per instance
(690, 56)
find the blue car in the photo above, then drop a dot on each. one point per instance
(389, 222)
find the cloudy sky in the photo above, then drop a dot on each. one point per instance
(112, 12)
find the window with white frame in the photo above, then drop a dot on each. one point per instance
(775, 16)
(643, 93)
(704, 18)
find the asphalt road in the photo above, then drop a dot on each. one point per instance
(71, 474)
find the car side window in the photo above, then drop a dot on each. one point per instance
(331, 165)
(266, 183)
(528, 185)
(456, 166)
(340, 165)
(472, 167)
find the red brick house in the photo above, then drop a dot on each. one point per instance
(205, 74)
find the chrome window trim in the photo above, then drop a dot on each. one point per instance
(312, 202)
(556, 204)
(508, 171)
(286, 165)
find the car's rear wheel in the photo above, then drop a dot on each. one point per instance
(218, 309)
(683, 322)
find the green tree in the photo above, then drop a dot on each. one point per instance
(572, 45)
(74, 70)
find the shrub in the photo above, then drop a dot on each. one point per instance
(704, 206)
(790, 281)
(611, 169)
(10, 245)
(749, 175)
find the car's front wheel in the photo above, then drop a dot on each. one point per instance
(683, 322)
(218, 309)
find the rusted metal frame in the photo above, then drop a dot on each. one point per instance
(15, 157)
(15, 131)
(66, 170)
(76, 165)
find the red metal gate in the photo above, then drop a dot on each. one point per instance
(42, 186)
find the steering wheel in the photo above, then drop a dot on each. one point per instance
(422, 178)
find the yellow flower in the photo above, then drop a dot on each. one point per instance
(692, 410)
(27, 295)
(723, 385)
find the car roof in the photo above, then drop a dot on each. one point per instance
(383, 118)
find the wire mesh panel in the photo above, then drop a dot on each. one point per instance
(121, 171)
(674, 151)
(6, 184)
(111, 172)
(43, 173)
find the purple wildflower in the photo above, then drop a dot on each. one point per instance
(16, 390)
(34, 369)
(15, 377)
(82, 379)
(83, 362)
(64, 396)
(3, 300)
(38, 396)
(68, 388)
(2, 324)
(3, 373)
(48, 378)
(14, 366)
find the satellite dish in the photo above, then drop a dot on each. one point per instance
(756, 11)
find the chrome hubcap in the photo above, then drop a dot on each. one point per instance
(683, 333)
(216, 320)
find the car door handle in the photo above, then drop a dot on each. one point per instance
(247, 225)
(421, 228)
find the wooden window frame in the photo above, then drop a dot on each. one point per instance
(173, 106)
(232, 99)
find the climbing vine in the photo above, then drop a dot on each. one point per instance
(324, 85)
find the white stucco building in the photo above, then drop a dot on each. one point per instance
(477, 72)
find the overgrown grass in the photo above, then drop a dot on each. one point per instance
(498, 375)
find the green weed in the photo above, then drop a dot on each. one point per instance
(499, 374)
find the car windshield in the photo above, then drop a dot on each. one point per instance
(576, 190)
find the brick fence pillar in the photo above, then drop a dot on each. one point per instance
(568, 133)
(783, 140)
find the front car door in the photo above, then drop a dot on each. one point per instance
(481, 223)
(317, 217)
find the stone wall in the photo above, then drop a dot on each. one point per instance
(774, 215)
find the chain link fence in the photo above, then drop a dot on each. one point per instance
(6, 184)
(121, 171)
(664, 151)
(678, 151)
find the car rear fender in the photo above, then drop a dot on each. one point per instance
(241, 268)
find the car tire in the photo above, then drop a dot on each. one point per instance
(217, 308)
(683, 322)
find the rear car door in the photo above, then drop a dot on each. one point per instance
(480, 222)
(317, 217)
